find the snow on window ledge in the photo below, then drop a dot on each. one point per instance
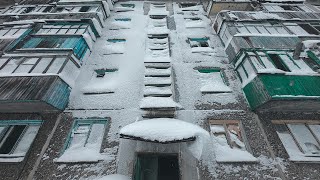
(12, 157)
(226, 154)
(84, 155)
(113, 177)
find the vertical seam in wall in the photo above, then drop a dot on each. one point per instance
(44, 148)
(281, 173)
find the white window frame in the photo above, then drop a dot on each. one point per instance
(90, 137)
(231, 146)
(23, 143)
(293, 144)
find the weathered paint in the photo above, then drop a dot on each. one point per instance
(77, 44)
(20, 90)
(267, 87)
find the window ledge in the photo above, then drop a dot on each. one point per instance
(13, 159)
(304, 159)
(225, 154)
(69, 157)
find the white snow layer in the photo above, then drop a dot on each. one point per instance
(158, 102)
(163, 130)
(114, 177)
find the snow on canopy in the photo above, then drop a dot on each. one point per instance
(114, 177)
(163, 130)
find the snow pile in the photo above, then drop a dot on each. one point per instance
(115, 48)
(159, 10)
(98, 85)
(158, 102)
(157, 49)
(194, 23)
(213, 82)
(115, 25)
(223, 151)
(149, 90)
(114, 177)
(163, 130)
(82, 154)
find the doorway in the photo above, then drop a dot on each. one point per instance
(157, 167)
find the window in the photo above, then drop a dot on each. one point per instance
(84, 9)
(122, 19)
(300, 139)
(78, 29)
(16, 138)
(278, 63)
(229, 140)
(115, 46)
(199, 42)
(102, 72)
(84, 142)
(128, 5)
(27, 65)
(308, 28)
(213, 81)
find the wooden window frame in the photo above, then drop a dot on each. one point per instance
(84, 121)
(301, 122)
(8, 123)
(231, 122)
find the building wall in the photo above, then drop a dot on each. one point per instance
(22, 169)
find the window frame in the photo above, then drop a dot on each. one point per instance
(77, 122)
(11, 157)
(199, 40)
(304, 157)
(231, 122)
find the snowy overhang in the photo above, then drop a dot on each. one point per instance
(162, 130)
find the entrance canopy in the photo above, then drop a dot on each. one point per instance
(162, 130)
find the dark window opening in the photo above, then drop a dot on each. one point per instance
(59, 9)
(309, 29)
(84, 9)
(47, 9)
(157, 167)
(10, 138)
(278, 63)
(158, 16)
(288, 8)
(29, 9)
(187, 4)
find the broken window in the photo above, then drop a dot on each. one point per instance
(229, 140)
(16, 138)
(278, 63)
(308, 28)
(228, 133)
(199, 42)
(84, 9)
(300, 139)
(86, 137)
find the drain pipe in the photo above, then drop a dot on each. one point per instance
(281, 173)
(44, 148)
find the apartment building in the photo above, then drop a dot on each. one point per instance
(99, 89)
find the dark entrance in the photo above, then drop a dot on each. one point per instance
(157, 167)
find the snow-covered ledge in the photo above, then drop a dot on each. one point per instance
(162, 130)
